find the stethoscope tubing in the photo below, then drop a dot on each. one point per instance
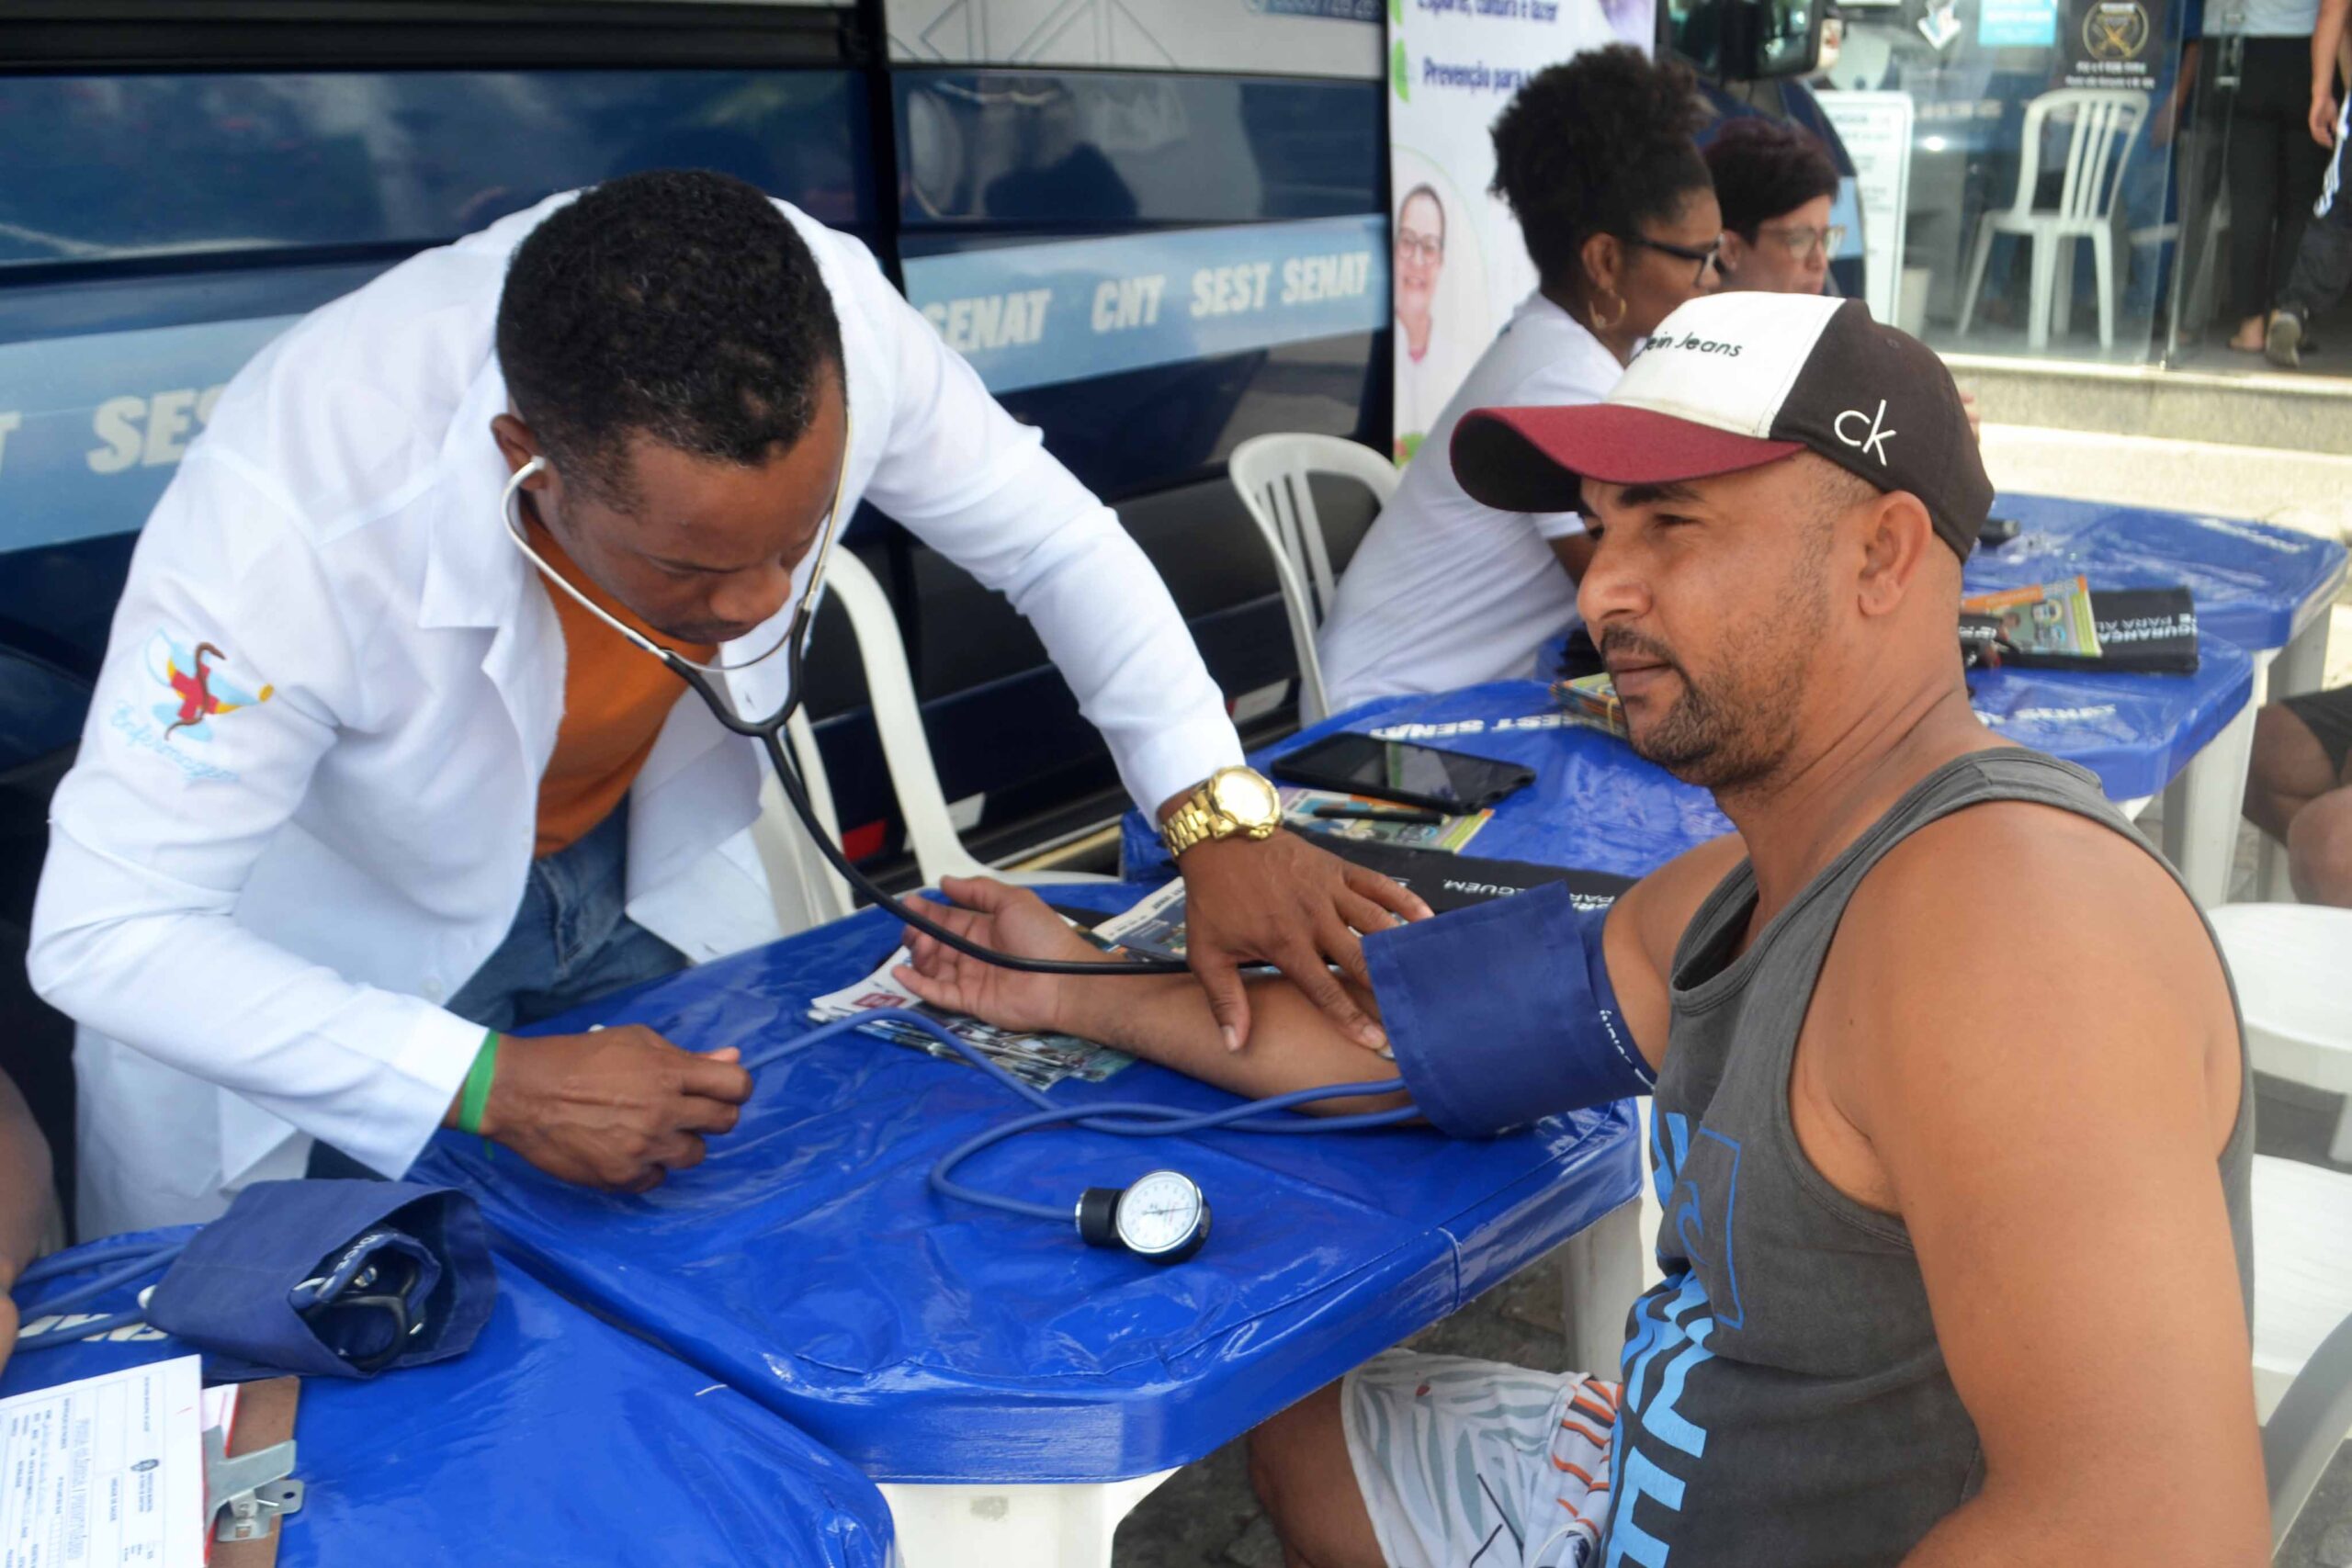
(1126, 1119)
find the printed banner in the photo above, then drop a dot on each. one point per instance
(1291, 38)
(2017, 23)
(1460, 268)
(1033, 315)
(1876, 129)
(2113, 43)
(92, 427)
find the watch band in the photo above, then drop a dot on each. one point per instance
(1190, 824)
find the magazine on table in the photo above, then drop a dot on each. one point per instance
(2069, 625)
(1591, 701)
(2046, 618)
(1450, 834)
(1040, 1060)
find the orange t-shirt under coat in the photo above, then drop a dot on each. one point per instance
(616, 697)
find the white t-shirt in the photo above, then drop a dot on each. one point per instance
(1444, 592)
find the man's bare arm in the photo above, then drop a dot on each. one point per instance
(2047, 1105)
(1167, 1019)
(1164, 1019)
(27, 1206)
(2327, 48)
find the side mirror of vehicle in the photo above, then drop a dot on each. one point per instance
(1747, 40)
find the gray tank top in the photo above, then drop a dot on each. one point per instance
(1785, 1401)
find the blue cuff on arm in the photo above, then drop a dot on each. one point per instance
(1503, 1014)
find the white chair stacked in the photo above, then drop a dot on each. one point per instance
(2292, 963)
(1272, 473)
(2103, 122)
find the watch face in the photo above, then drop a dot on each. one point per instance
(1161, 1212)
(1245, 796)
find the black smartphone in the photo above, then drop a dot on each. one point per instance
(1397, 770)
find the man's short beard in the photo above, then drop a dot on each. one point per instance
(1701, 743)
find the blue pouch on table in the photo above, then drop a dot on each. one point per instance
(331, 1279)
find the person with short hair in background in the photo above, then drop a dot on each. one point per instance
(1775, 185)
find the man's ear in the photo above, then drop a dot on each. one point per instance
(518, 446)
(1897, 533)
(1734, 253)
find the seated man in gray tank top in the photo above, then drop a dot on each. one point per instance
(1952, 1124)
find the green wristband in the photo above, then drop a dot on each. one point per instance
(476, 1096)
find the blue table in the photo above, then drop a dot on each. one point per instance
(557, 1439)
(807, 1263)
(1597, 806)
(2265, 588)
(2255, 584)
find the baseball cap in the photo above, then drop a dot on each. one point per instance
(1735, 380)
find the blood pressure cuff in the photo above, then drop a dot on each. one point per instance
(331, 1279)
(1503, 1014)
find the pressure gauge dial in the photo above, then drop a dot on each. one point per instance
(1163, 1216)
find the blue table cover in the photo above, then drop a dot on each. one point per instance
(1595, 805)
(2255, 584)
(557, 1439)
(807, 1263)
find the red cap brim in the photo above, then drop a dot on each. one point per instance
(1536, 460)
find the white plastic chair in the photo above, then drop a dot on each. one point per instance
(1272, 473)
(2288, 962)
(2104, 119)
(2308, 1427)
(898, 718)
(807, 892)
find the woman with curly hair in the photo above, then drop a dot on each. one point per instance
(1596, 160)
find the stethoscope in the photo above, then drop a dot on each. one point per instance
(1163, 1215)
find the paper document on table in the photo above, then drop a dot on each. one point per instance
(1039, 1060)
(106, 1473)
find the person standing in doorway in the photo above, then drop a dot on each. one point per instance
(2323, 261)
(2270, 167)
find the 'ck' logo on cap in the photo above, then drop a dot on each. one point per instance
(1874, 441)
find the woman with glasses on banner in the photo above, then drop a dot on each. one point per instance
(1596, 158)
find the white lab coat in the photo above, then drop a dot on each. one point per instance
(255, 920)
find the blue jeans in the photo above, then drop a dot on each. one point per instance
(570, 943)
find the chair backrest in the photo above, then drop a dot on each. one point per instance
(1272, 473)
(898, 718)
(2102, 120)
(805, 888)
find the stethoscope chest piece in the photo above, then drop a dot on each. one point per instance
(1163, 1216)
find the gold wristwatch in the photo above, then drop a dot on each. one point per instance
(1233, 803)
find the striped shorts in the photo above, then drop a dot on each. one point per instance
(1476, 1464)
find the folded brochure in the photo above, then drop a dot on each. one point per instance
(1448, 834)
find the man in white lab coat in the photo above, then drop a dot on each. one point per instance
(359, 792)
